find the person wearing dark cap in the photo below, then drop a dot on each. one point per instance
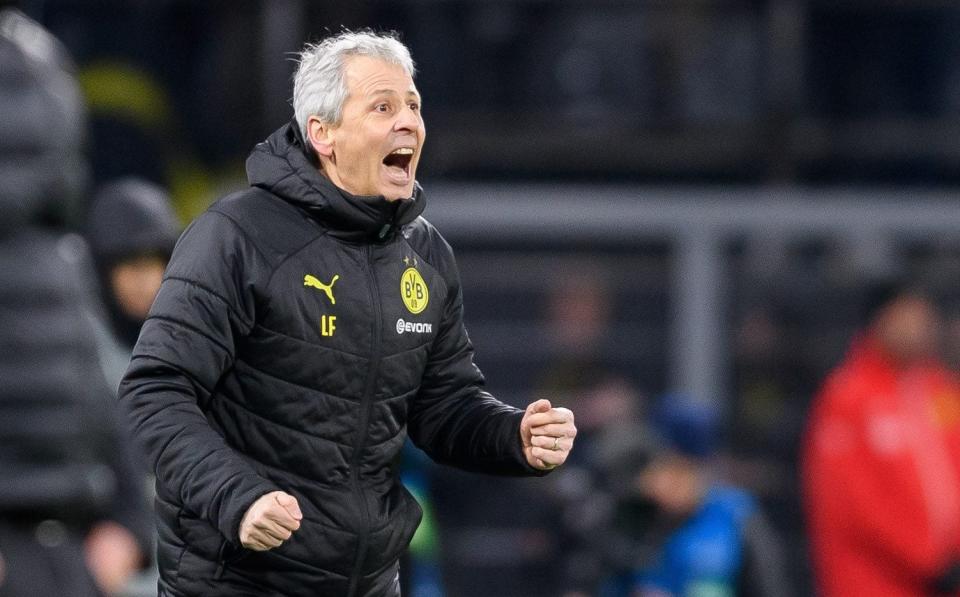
(881, 457)
(131, 229)
(73, 521)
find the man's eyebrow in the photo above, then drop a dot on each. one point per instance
(377, 92)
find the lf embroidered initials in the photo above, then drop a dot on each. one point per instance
(328, 325)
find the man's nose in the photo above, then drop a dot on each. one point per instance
(407, 120)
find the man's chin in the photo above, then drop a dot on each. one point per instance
(395, 193)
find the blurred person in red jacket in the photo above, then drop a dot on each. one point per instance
(881, 466)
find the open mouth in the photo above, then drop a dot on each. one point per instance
(398, 162)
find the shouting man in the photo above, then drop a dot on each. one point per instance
(304, 328)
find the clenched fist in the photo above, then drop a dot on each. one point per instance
(547, 434)
(270, 521)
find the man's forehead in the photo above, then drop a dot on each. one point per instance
(373, 76)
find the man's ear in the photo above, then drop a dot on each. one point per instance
(320, 136)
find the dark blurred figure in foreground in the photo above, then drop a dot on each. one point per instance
(72, 518)
(131, 228)
(676, 530)
(881, 464)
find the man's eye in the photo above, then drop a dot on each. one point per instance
(382, 107)
(414, 106)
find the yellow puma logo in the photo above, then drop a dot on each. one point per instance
(309, 280)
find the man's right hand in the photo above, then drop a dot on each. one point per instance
(270, 521)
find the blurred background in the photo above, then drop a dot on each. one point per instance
(646, 198)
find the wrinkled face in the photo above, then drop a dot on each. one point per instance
(376, 147)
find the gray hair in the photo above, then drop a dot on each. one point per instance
(319, 86)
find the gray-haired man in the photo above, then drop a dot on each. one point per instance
(305, 327)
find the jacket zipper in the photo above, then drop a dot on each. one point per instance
(365, 407)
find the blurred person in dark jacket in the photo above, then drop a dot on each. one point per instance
(304, 328)
(131, 229)
(676, 530)
(881, 457)
(72, 516)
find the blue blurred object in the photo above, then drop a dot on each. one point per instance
(422, 568)
(705, 556)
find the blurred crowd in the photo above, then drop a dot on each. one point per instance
(835, 466)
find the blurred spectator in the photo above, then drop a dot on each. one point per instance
(131, 229)
(129, 267)
(881, 465)
(677, 530)
(72, 519)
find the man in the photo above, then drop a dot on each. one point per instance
(129, 265)
(714, 538)
(303, 329)
(881, 460)
(73, 517)
(670, 527)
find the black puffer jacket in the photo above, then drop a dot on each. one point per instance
(299, 336)
(63, 453)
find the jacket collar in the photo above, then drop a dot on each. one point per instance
(283, 166)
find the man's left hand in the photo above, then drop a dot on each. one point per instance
(547, 434)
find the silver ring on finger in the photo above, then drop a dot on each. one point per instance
(556, 444)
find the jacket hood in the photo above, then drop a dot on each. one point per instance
(282, 166)
(42, 124)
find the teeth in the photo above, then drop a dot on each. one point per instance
(402, 151)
